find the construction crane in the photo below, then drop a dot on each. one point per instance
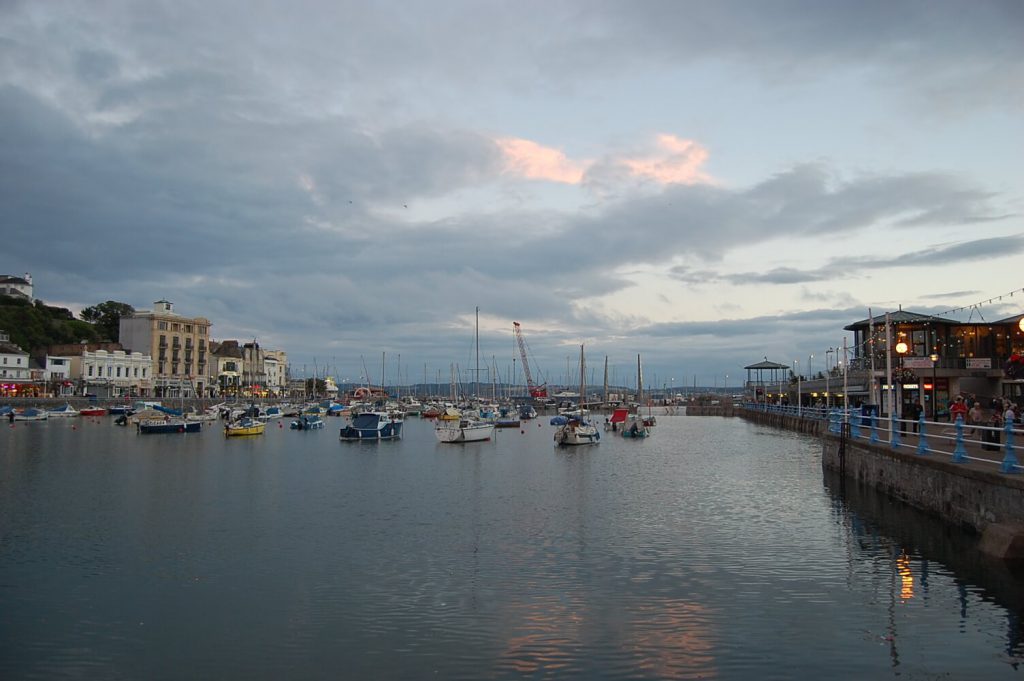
(536, 391)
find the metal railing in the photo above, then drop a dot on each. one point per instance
(958, 440)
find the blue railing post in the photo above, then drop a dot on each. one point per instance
(894, 433)
(922, 441)
(855, 425)
(959, 452)
(1010, 460)
(874, 429)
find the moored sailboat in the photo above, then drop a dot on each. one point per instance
(577, 430)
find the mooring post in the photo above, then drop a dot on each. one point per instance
(922, 441)
(959, 452)
(1010, 460)
(894, 433)
(855, 425)
(874, 429)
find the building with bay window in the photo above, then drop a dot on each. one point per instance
(177, 344)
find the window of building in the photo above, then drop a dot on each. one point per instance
(188, 328)
(90, 370)
(5, 360)
(136, 372)
(175, 326)
(119, 372)
(110, 372)
(143, 372)
(162, 326)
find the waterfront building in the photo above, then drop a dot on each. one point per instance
(226, 366)
(57, 374)
(15, 373)
(177, 344)
(115, 373)
(275, 364)
(16, 287)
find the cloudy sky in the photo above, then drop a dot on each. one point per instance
(702, 183)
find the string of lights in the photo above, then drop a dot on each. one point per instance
(977, 305)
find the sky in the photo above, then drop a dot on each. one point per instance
(702, 184)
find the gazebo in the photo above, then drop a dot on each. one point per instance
(758, 384)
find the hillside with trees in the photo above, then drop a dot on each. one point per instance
(32, 325)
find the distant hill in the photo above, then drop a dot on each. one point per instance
(36, 325)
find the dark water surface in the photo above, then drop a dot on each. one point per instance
(715, 549)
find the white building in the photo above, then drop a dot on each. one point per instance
(14, 369)
(57, 372)
(275, 364)
(20, 287)
(115, 373)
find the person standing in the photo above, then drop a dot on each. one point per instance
(976, 417)
(958, 408)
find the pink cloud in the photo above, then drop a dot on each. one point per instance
(677, 161)
(538, 162)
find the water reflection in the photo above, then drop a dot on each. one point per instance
(879, 525)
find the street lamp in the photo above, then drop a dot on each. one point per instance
(799, 401)
(901, 349)
(935, 361)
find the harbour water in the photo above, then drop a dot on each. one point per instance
(715, 549)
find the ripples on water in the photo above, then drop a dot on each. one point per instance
(714, 549)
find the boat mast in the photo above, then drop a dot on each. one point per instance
(476, 385)
(639, 382)
(583, 379)
(606, 380)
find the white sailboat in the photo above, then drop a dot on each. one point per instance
(463, 428)
(577, 430)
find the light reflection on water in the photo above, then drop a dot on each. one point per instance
(711, 550)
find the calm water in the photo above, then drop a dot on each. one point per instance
(715, 549)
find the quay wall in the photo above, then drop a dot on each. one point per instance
(960, 494)
(966, 495)
(711, 410)
(784, 421)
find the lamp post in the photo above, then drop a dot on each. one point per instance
(935, 361)
(901, 349)
(799, 402)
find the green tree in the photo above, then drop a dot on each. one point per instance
(106, 318)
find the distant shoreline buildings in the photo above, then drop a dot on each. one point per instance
(160, 353)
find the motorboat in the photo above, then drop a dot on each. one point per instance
(93, 411)
(63, 410)
(31, 414)
(307, 422)
(373, 425)
(244, 426)
(618, 418)
(168, 424)
(464, 430)
(527, 412)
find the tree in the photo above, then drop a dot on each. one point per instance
(106, 318)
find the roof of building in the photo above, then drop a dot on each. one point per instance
(766, 365)
(901, 317)
(8, 348)
(76, 349)
(228, 348)
(10, 279)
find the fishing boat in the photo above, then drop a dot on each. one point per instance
(373, 425)
(63, 410)
(577, 430)
(618, 418)
(244, 426)
(168, 424)
(307, 422)
(93, 411)
(31, 414)
(464, 430)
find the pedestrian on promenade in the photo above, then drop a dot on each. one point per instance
(975, 417)
(958, 408)
(914, 413)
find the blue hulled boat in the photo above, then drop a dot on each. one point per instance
(373, 425)
(169, 425)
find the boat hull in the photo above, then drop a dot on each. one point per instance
(169, 427)
(388, 431)
(307, 423)
(247, 427)
(452, 432)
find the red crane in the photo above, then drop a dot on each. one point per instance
(536, 391)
